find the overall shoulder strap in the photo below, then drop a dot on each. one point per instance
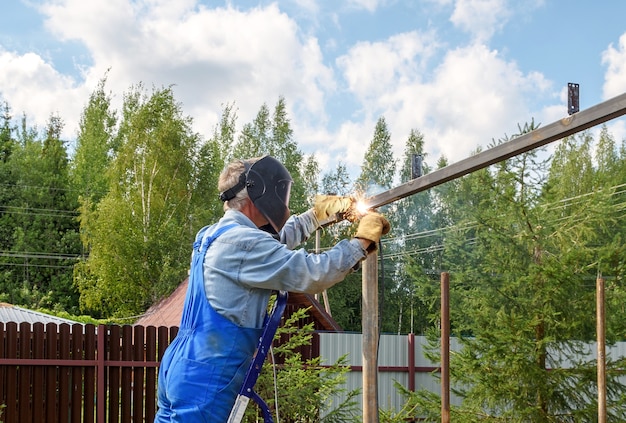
(195, 291)
(201, 246)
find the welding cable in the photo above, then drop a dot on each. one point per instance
(275, 383)
(381, 300)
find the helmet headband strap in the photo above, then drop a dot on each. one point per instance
(231, 192)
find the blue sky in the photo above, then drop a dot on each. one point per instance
(462, 72)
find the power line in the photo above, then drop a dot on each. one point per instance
(33, 211)
(39, 187)
(46, 266)
(32, 255)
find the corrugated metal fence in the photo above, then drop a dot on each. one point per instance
(401, 359)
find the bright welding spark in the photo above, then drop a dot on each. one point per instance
(361, 207)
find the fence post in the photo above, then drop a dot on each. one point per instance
(445, 347)
(101, 399)
(411, 339)
(77, 388)
(52, 353)
(89, 407)
(600, 329)
(65, 373)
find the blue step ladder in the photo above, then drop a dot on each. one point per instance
(272, 321)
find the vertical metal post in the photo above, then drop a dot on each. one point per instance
(445, 347)
(573, 98)
(416, 165)
(411, 339)
(370, 338)
(600, 329)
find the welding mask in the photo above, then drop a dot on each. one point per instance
(269, 187)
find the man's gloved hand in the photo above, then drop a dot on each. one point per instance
(371, 227)
(326, 206)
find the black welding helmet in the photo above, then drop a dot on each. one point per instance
(269, 186)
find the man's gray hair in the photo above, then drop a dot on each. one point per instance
(230, 177)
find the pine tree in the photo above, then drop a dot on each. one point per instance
(521, 263)
(41, 228)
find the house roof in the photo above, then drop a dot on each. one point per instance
(168, 311)
(12, 313)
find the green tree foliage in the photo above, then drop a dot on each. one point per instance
(271, 134)
(253, 140)
(337, 182)
(210, 160)
(523, 262)
(306, 388)
(379, 166)
(160, 187)
(7, 187)
(141, 234)
(94, 148)
(39, 224)
(377, 174)
(411, 220)
(89, 167)
(310, 178)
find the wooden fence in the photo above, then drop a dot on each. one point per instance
(80, 373)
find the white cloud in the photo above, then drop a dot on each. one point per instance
(617, 128)
(458, 99)
(212, 56)
(615, 77)
(32, 86)
(308, 6)
(477, 96)
(470, 98)
(369, 5)
(371, 68)
(482, 18)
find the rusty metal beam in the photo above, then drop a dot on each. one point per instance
(577, 122)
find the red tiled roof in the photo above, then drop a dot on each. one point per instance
(168, 311)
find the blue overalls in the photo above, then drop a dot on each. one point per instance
(204, 367)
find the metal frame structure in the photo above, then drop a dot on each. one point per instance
(572, 124)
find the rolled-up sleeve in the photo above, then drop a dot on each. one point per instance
(298, 229)
(271, 265)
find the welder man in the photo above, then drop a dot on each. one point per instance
(236, 265)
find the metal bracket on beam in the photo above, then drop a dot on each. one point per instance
(416, 165)
(573, 98)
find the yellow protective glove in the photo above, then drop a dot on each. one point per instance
(371, 227)
(326, 206)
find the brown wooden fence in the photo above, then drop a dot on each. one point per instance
(80, 373)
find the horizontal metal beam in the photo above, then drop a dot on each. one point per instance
(577, 122)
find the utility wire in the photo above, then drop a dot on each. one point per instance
(32, 255)
(32, 211)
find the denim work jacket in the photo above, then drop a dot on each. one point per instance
(245, 264)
